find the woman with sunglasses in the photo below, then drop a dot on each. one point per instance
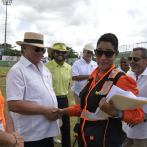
(96, 131)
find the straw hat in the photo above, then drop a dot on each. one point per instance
(59, 47)
(33, 39)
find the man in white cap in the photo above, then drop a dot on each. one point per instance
(30, 95)
(82, 68)
(62, 76)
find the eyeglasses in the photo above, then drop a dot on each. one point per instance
(58, 52)
(136, 59)
(38, 49)
(108, 54)
(88, 52)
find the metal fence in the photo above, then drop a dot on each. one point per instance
(125, 50)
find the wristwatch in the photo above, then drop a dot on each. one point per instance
(119, 115)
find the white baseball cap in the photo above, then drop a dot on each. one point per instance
(89, 46)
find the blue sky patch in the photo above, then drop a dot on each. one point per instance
(133, 12)
(24, 26)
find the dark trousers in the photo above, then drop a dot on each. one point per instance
(47, 142)
(65, 129)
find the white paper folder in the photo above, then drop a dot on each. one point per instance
(123, 100)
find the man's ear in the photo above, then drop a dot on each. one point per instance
(117, 52)
(23, 47)
(146, 61)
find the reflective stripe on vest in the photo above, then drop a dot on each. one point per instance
(92, 116)
(107, 85)
(113, 73)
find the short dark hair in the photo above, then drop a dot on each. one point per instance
(109, 37)
(124, 57)
(143, 50)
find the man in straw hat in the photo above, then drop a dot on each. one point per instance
(30, 95)
(62, 76)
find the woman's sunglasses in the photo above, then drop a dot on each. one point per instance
(58, 52)
(38, 49)
(136, 59)
(108, 54)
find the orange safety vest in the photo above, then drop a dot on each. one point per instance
(95, 130)
(2, 103)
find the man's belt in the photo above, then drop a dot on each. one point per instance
(61, 96)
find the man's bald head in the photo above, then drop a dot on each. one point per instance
(124, 64)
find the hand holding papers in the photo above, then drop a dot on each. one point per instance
(123, 100)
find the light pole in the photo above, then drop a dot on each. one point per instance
(6, 2)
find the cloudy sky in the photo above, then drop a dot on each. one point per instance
(75, 22)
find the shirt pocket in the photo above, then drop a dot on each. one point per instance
(33, 91)
(47, 81)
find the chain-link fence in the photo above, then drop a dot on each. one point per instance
(125, 50)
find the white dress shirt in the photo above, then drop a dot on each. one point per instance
(81, 67)
(26, 82)
(139, 131)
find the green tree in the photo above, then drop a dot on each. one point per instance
(10, 50)
(73, 54)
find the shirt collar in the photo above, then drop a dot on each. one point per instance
(97, 70)
(27, 63)
(144, 72)
(56, 64)
(85, 61)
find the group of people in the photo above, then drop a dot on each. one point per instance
(37, 96)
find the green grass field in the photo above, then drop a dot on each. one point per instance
(3, 74)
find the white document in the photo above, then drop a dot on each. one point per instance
(1, 127)
(118, 91)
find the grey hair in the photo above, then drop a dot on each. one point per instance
(22, 52)
(143, 50)
(22, 49)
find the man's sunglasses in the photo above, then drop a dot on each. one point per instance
(136, 59)
(38, 49)
(88, 52)
(108, 54)
(58, 52)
